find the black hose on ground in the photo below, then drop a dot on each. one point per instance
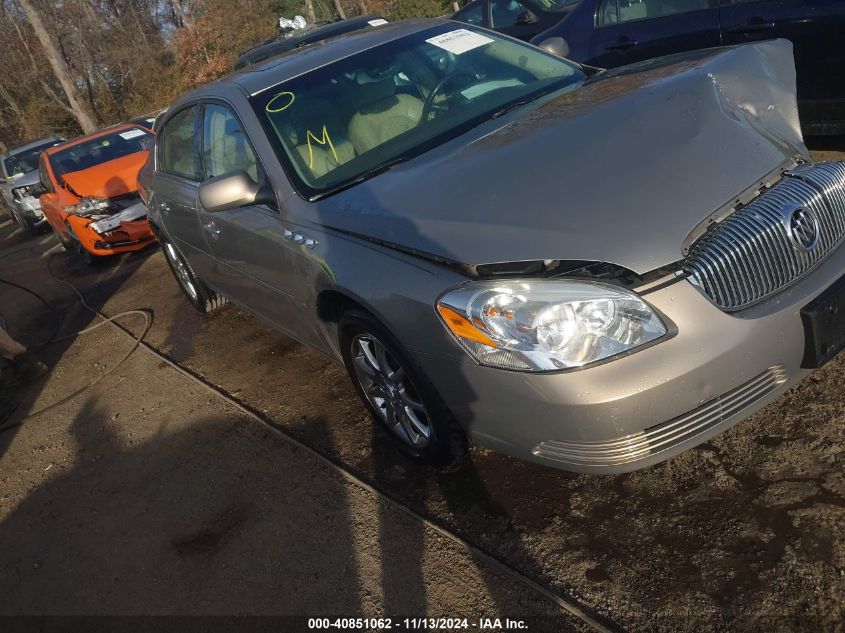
(148, 322)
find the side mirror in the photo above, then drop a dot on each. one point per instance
(527, 17)
(233, 190)
(556, 46)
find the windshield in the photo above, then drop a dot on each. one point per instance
(25, 161)
(333, 126)
(99, 150)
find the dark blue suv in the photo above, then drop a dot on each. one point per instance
(610, 33)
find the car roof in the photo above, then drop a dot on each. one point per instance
(81, 139)
(278, 45)
(29, 145)
(257, 78)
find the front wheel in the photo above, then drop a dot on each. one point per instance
(65, 242)
(31, 227)
(398, 394)
(203, 298)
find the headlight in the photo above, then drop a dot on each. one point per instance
(547, 325)
(88, 206)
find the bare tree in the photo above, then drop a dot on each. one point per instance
(309, 12)
(183, 16)
(13, 105)
(60, 68)
(339, 9)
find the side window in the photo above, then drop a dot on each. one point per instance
(224, 144)
(471, 14)
(506, 12)
(613, 11)
(608, 13)
(178, 154)
(43, 175)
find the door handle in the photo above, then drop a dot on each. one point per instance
(752, 27)
(623, 43)
(211, 229)
(163, 206)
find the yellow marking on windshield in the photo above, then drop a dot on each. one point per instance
(291, 98)
(326, 140)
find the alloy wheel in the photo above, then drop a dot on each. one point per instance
(183, 273)
(388, 388)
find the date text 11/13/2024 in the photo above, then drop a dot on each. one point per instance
(417, 624)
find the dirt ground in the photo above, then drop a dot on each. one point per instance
(148, 495)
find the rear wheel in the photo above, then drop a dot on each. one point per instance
(203, 298)
(398, 394)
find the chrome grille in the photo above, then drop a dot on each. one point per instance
(764, 246)
(663, 436)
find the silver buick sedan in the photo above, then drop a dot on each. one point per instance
(593, 270)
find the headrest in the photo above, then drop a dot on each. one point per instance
(311, 116)
(373, 92)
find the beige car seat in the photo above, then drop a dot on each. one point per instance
(318, 137)
(383, 116)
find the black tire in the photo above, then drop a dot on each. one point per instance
(30, 227)
(447, 444)
(74, 244)
(88, 258)
(203, 298)
(64, 242)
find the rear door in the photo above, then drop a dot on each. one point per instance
(254, 262)
(628, 31)
(175, 182)
(816, 30)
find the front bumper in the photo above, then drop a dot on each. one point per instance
(646, 407)
(125, 237)
(30, 208)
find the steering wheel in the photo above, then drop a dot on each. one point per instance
(428, 106)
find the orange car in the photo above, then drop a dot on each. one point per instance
(91, 186)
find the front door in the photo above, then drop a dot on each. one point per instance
(175, 182)
(628, 31)
(253, 263)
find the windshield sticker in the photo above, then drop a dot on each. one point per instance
(377, 22)
(326, 140)
(459, 41)
(130, 134)
(488, 86)
(280, 102)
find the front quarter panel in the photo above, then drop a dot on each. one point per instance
(400, 290)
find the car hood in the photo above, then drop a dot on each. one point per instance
(110, 179)
(619, 170)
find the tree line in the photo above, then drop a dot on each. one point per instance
(72, 66)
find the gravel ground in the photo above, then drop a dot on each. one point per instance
(148, 494)
(743, 533)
